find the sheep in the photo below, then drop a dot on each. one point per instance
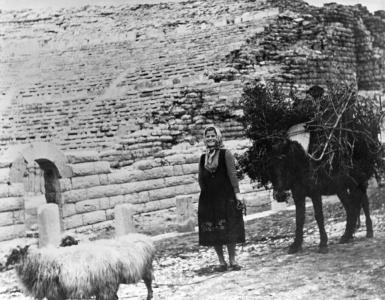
(87, 269)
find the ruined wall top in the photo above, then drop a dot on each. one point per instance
(131, 80)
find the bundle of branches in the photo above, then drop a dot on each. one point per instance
(342, 129)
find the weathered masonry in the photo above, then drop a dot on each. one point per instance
(92, 98)
(86, 189)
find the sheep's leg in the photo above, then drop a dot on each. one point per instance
(107, 297)
(147, 278)
(108, 294)
(56, 298)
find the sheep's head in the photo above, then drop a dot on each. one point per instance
(68, 241)
(16, 255)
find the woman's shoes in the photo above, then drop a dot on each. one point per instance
(221, 268)
(225, 267)
(235, 267)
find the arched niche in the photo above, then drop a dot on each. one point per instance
(39, 166)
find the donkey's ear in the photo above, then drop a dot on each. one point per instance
(24, 250)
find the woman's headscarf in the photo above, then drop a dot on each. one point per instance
(212, 155)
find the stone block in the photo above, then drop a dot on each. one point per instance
(110, 214)
(4, 189)
(163, 193)
(85, 182)
(49, 225)
(104, 203)
(82, 156)
(4, 175)
(18, 217)
(87, 205)
(177, 159)
(11, 232)
(68, 209)
(115, 200)
(16, 190)
(11, 203)
(177, 170)
(185, 220)
(83, 169)
(65, 184)
(190, 168)
(179, 180)
(94, 217)
(156, 205)
(192, 158)
(35, 201)
(97, 227)
(102, 167)
(124, 219)
(126, 175)
(6, 218)
(136, 198)
(158, 172)
(104, 179)
(74, 196)
(104, 191)
(74, 221)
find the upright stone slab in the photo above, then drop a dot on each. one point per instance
(185, 220)
(124, 219)
(49, 225)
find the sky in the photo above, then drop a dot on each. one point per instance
(372, 5)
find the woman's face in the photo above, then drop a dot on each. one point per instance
(211, 138)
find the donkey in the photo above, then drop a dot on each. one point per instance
(292, 169)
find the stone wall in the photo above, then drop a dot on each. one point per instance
(126, 84)
(88, 195)
(133, 80)
(314, 45)
(96, 74)
(11, 209)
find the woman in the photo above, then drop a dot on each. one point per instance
(220, 222)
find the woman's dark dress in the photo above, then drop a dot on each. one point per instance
(218, 219)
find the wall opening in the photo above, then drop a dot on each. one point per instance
(51, 181)
(41, 185)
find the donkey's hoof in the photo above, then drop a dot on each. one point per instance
(294, 249)
(369, 234)
(323, 249)
(345, 239)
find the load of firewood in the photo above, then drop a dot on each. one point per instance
(341, 125)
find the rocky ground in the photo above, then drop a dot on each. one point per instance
(185, 271)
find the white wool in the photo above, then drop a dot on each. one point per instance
(82, 270)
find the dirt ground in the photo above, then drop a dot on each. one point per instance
(183, 270)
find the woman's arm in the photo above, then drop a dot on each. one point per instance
(231, 171)
(200, 180)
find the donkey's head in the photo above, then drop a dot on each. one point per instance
(288, 164)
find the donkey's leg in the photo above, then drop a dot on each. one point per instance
(319, 216)
(364, 202)
(351, 216)
(299, 201)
